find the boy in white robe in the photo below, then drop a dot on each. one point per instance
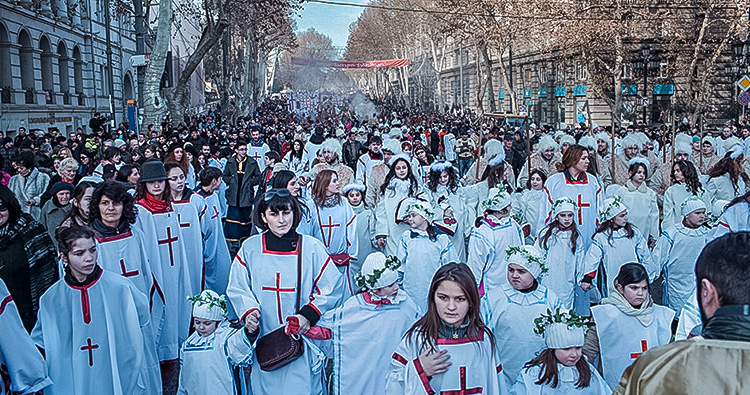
(207, 356)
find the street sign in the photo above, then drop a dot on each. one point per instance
(744, 83)
(743, 98)
(522, 110)
(139, 60)
(645, 101)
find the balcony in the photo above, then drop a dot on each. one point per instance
(29, 96)
(49, 96)
(66, 98)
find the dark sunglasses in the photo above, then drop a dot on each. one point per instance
(280, 192)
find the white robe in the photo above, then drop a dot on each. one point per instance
(676, 252)
(673, 198)
(308, 224)
(643, 211)
(735, 218)
(721, 188)
(162, 235)
(461, 213)
(192, 238)
(266, 281)
(510, 314)
(473, 367)
(387, 214)
(360, 327)
(296, 165)
(97, 338)
(567, 377)
(18, 354)
(206, 361)
(690, 317)
(587, 195)
(365, 237)
(420, 259)
(215, 250)
(258, 152)
(487, 245)
(608, 255)
(338, 232)
(562, 263)
(623, 338)
(526, 205)
(365, 163)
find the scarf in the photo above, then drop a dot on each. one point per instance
(332, 200)
(729, 323)
(155, 205)
(644, 314)
(108, 231)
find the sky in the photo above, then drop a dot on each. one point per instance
(331, 20)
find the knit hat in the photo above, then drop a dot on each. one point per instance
(691, 204)
(378, 271)
(612, 207)
(562, 328)
(422, 208)
(356, 186)
(61, 186)
(563, 205)
(546, 143)
(153, 170)
(497, 200)
(529, 258)
(332, 146)
(208, 305)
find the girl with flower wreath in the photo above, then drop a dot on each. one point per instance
(560, 240)
(560, 368)
(369, 323)
(510, 314)
(422, 250)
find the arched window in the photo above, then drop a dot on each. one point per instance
(64, 71)
(127, 89)
(78, 75)
(6, 77)
(26, 54)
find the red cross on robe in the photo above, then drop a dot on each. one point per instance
(644, 347)
(330, 227)
(216, 213)
(463, 390)
(278, 291)
(581, 205)
(90, 348)
(125, 272)
(169, 240)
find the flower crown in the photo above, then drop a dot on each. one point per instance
(495, 199)
(606, 213)
(210, 300)
(529, 257)
(391, 263)
(564, 200)
(422, 208)
(567, 317)
(690, 199)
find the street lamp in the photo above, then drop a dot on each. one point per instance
(648, 63)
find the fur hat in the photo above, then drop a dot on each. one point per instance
(440, 165)
(566, 138)
(691, 204)
(630, 140)
(331, 145)
(563, 205)
(398, 156)
(562, 328)
(392, 145)
(546, 143)
(353, 186)
(642, 139)
(612, 207)
(603, 136)
(497, 200)
(588, 142)
(710, 140)
(378, 271)
(641, 160)
(208, 305)
(529, 258)
(492, 148)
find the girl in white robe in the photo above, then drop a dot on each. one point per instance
(635, 193)
(422, 251)
(400, 184)
(495, 231)
(560, 368)
(307, 224)
(370, 324)
(511, 313)
(736, 218)
(726, 181)
(449, 350)
(184, 203)
(615, 243)
(685, 183)
(295, 160)
(447, 196)
(355, 193)
(282, 279)
(563, 249)
(628, 323)
(527, 203)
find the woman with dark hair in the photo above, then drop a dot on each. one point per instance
(423, 162)
(111, 156)
(29, 184)
(185, 204)
(635, 193)
(87, 163)
(400, 183)
(448, 198)
(685, 183)
(560, 368)
(628, 323)
(726, 180)
(80, 199)
(527, 202)
(307, 226)
(165, 248)
(28, 263)
(297, 266)
(129, 175)
(449, 349)
(575, 183)
(296, 160)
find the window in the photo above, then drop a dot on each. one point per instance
(527, 75)
(560, 73)
(581, 71)
(543, 76)
(561, 112)
(543, 112)
(663, 69)
(627, 70)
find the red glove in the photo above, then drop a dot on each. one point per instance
(292, 325)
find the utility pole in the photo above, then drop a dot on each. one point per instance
(140, 47)
(512, 92)
(110, 73)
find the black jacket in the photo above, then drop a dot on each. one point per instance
(241, 195)
(352, 151)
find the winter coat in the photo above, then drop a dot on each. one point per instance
(27, 188)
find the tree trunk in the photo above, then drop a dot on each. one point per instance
(488, 75)
(154, 105)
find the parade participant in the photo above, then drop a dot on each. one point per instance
(422, 251)
(21, 362)
(279, 279)
(726, 181)
(257, 148)
(446, 196)
(681, 153)
(510, 311)
(701, 365)
(29, 184)
(449, 349)
(184, 203)
(369, 159)
(158, 222)
(55, 210)
(603, 140)
(627, 323)
(400, 184)
(526, 203)
(207, 356)
(545, 158)
(685, 183)
(563, 249)
(354, 194)
(215, 251)
(735, 218)
(678, 249)
(307, 225)
(495, 175)
(630, 148)
(494, 157)
(689, 321)
(241, 175)
(338, 225)
(574, 182)
(494, 232)
(615, 243)
(379, 171)
(560, 368)
(423, 161)
(708, 151)
(370, 323)
(27, 257)
(295, 159)
(80, 201)
(103, 315)
(590, 143)
(635, 193)
(331, 149)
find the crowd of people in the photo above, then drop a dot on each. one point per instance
(405, 253)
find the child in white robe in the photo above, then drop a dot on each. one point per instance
(526, 204)
(560, 368)
(400, 184)
(635, 193)
(449, 350)
(564, 251)
(495, 231)
(355, 193)
(207, 356)
(510, 314)
(685, 184)
(446, 195)
(422, 251)
(735, 218)
(371, 323)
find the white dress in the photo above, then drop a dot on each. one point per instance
(643, 211)
(562, 263)
(461, 214)
(215, 250)
(487, 245)
(567, 377)
(526, 205)
(388, 214)
(192, 238)
(365, 237)
(673, 198)
(585, 191)
(721, 188)
(338, 232)
(420, 259)
(735, 218)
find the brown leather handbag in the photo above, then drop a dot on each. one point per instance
(277, 349)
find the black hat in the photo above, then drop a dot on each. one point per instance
(61, 186)
(108, 171)
(153, 170)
